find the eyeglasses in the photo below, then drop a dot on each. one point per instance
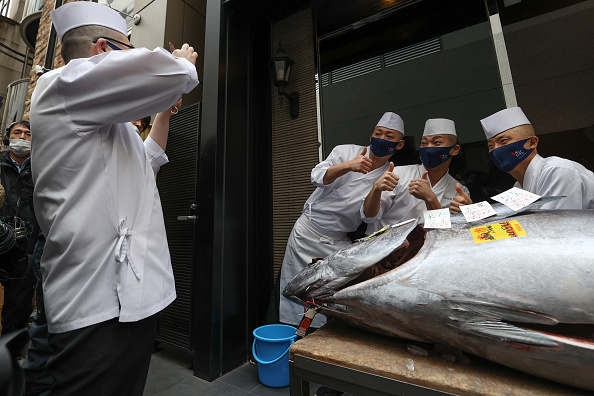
(112, 45)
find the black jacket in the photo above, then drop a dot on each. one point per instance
(19, 186)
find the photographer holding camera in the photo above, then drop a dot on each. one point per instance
(19, 228)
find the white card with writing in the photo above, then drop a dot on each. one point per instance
(477, 211)
(516, 198)
(439, 218)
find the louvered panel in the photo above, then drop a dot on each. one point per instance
(411, 52)
(356, 69)
(325, 79)
(294, 142)
(177, 187)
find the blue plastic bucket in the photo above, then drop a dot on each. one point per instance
(271, 351)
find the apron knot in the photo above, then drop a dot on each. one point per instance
(122, 252)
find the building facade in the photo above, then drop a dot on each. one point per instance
(246, 161)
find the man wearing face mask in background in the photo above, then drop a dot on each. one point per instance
(15, 271)
(512, 147)
(332, 210)
(405, 192)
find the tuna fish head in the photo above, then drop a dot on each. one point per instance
(322, 278)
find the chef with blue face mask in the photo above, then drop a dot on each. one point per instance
(512, 147)
(342, 180)
(426, 186)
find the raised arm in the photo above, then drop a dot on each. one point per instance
(421, 189)
(372, 204)
(360, 163)
(339, 163)
(120, 86)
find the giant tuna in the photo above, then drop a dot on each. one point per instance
(526, 302)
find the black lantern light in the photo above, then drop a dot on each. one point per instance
(279, 68)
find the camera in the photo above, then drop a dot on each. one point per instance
(7, 237)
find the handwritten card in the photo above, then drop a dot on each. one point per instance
(477, 211)
(439, 218)
(516, 198)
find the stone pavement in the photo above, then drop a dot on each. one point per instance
(170, 374)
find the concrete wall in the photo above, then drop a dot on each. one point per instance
(461, 82)
(10, 69)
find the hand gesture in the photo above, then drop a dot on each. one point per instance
(361, 163)
(388, 181)
(459, 200)
(186, 52)
(420, 188)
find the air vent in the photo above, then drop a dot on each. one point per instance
(357, 69)
(412, 52)
(401, 55)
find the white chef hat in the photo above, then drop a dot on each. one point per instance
(503, 120)
(439, 126)
(392, 121)
(83, 13)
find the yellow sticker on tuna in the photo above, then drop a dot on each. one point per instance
(497, 231)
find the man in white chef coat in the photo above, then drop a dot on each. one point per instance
(512, 147)
(106, 266)
(342, 180)
(418, 188)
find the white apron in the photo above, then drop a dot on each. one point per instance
(307, 241)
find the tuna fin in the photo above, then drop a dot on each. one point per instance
(508, 332)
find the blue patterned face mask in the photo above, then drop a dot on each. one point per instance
(509, 156)
(432, 157)
(383, 147)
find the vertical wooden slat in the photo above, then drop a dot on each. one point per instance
(294, 141)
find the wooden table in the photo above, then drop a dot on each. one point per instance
(342, 357)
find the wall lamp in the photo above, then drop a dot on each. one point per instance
(279, 67)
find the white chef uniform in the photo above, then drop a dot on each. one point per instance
(399, 205)
(559, 176)
(106, 253)
(331, 211)
(550, 175)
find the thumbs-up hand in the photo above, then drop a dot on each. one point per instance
(388, 181)
(421, 188)
(361, 163)
(459, 200)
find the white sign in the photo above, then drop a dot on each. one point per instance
(516, 198)
(439, 218)
(477, 211)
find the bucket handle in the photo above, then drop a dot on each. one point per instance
(260, 361)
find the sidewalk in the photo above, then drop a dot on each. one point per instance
(170, 374)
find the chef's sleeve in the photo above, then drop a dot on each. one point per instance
(337, 156)
(156, 155)
(119, 86)
(562, 181)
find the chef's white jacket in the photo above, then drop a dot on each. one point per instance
(331, 211)
(95, 197)
(335, 206)
(399, 205)
(560, 176)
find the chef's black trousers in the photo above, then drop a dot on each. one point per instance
(108, 358)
